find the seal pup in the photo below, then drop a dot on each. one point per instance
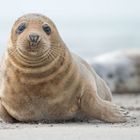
(120, 69)
(42, 80)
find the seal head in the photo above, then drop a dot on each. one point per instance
(34, 34)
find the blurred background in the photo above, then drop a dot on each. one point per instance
(88, 27)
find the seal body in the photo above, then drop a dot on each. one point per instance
(42, 80)
(120, 70)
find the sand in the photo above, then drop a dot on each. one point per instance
(81, 130)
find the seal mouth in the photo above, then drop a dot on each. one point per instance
(32, 51)
(33, 46)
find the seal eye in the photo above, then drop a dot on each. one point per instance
(110, 75)
(47, 29)
(21, 28)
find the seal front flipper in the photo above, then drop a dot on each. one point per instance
(95, 107)
(5, 116)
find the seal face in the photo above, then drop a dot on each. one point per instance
(42, 80)
(120, 70)
(34, 34)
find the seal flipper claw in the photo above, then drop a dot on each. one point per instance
(103, 110)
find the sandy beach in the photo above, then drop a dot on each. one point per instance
(80, 130)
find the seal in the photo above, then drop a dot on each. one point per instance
(120, 69)
(42, 80)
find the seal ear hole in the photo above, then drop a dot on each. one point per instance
(110, 75)
(46, 29)
(21, 28)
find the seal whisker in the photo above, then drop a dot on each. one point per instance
(60, 50)
(57, 48)
(57, 53)
(11, 52)
(51, 55)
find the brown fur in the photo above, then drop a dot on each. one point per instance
(52, 85)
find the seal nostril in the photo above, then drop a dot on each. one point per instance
(34, 38)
